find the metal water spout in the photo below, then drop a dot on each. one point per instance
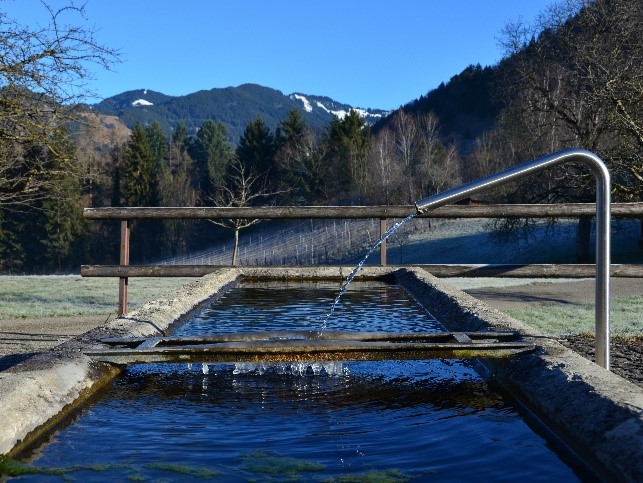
(603, 185)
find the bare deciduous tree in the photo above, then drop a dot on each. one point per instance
(243, 188)
(410, 159)
(578, 78)
(44, 74)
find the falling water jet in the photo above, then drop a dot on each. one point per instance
(326, 368)
(352, 275)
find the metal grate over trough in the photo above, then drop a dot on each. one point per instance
(310, 346)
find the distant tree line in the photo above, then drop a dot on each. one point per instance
(345, 165)
(571, 79)
(43, 74)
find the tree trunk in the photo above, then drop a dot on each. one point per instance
(235, 251)
(583, 254)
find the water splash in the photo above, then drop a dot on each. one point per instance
(352, 275)
(291, 368)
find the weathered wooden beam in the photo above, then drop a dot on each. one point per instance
(147, 270)
(439, 270)
(532, 270)
(567, 210)
(124, 260)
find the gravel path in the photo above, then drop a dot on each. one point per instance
(22, 338)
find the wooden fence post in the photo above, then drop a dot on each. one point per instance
(124, 260)
(383, 229)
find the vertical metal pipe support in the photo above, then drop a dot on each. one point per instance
(603, 188)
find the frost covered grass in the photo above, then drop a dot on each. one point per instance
(626, 313)
(425, 241)
(626, 318)
(74, 296)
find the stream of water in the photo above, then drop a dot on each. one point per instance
(358, 267)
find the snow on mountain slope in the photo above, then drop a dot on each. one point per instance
(340, 110)
(142, 102)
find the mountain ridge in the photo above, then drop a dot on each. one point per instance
(235, 107)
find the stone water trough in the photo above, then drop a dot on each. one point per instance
(586, 410)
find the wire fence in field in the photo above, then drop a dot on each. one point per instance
(293, 242)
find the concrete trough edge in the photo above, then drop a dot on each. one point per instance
(43, 390)
(40, 392)
(596, 413)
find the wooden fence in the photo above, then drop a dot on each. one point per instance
(570, 210)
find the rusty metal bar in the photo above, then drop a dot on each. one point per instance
(309, 346)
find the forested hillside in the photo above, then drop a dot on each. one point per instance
(571, 80)
(466, 106)
(234, 107)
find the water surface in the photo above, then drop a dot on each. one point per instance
(397, 420)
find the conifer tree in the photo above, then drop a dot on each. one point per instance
(180, 138)
(138, 186)
(347, 149)
(256, 149)
(159, 146)
(176, 189)
(44, 234)
(290, 129)
(63, 216)
(137, 181)
(296, 159)
(211, 153)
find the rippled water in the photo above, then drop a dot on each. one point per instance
(397, 420)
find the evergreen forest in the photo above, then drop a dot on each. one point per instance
(572, 79)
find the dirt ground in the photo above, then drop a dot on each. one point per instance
(553, 293)
(626, 353)
(21, 338)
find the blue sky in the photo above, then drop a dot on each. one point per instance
(371, 53)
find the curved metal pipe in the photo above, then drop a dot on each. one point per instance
(603, 186)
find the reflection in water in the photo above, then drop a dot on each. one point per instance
(396, 420)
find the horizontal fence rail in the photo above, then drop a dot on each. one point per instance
(540, 270)
(563, 210)
(383, 213)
